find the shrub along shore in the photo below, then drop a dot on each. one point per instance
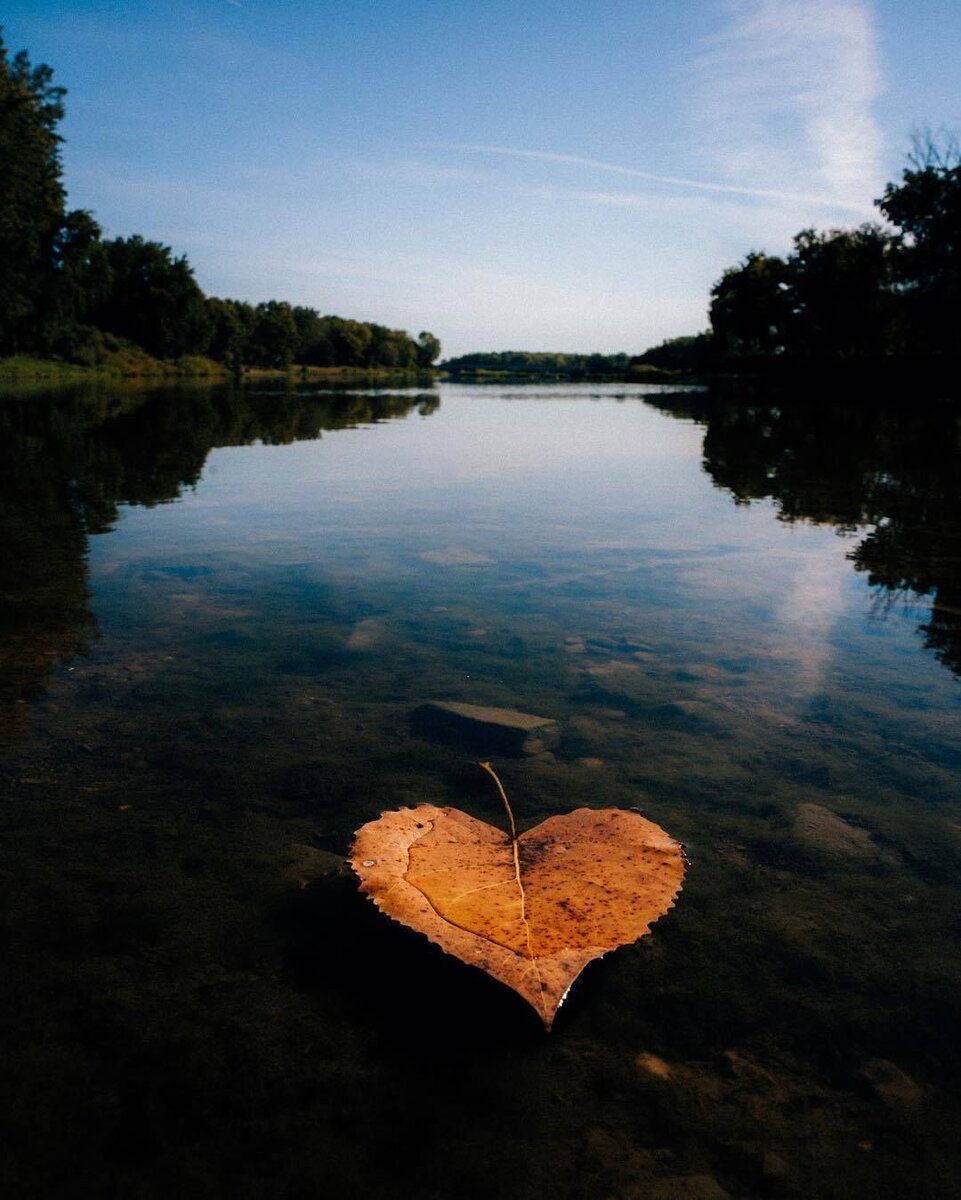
(132, 367)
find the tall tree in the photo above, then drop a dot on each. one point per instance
(390, 348)
(751, 307)
(274, 339)
(926, 207)
(428, 349)
(78, 285)
(311, 336)
(152, 298)
(350, 342)
(31, 194)
(231, 326)
(841, 294)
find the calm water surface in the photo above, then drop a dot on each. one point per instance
(221, 611)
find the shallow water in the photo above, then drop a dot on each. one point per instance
(221, 612)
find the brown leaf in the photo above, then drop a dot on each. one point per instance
(531, 911)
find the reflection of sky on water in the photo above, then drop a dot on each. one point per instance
(596, 510)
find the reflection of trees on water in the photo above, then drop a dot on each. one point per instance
(68, 461)
(891, 466)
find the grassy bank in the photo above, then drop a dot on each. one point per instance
(333, 375)
(119, 364)
(133, 365)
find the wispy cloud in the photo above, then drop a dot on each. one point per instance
(673, 181)
(784, 93)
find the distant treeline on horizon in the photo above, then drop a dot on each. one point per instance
(875, 295)
(67, 292)
(536, 362)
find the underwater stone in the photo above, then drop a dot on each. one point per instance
(494, 730)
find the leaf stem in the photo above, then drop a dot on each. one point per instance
(500, 787)
(516, 850)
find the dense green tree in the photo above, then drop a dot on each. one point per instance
(273, 340)
(861, 295)
(311, 335)
(691, 353)
(926, 208)
(31, 195)
(77, 286)
(840, 294)
(231, 325)
(349, 342)
(751, 307)
(428, 349)
(152, 298)
(391, 348)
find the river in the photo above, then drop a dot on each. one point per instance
(222, 611)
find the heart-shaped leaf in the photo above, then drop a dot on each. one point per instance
(532, 911)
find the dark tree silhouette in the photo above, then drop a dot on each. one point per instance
(152, 298)
(751, 307)
(840, 294)
(31, 195)
(926, 207)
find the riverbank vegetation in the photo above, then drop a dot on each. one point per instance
(884, 296)
(127, 304)
(538, 364)
(886, 292)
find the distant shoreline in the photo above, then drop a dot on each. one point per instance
(139, 367)
(133, 367)
(642, 374)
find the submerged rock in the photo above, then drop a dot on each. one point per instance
(306, 864)
(688, 1187)
(650, 1064)
(820, 829)
(892, 1085)
(486, 729)
(367, 635)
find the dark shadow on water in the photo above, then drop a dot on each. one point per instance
(394, 982)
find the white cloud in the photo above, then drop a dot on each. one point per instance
(784, 98)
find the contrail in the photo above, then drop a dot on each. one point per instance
(672, 180)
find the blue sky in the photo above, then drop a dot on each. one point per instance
(535, 174)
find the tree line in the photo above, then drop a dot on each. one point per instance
(528, 362)
(879, 293)
(66, 291)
